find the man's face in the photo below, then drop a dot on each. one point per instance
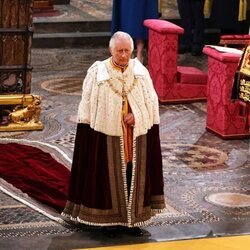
(121, 52)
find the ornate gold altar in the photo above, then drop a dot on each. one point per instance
(241, 86)
(19, 109)
(243, 76)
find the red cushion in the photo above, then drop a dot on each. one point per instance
(191, 75)
(221, 56)
(163, 26)
(235, 37)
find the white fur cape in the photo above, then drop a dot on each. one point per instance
(101, 107)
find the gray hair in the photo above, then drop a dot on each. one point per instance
(120, 34)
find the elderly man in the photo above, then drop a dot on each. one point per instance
(116, 176)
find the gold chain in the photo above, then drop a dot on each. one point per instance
(124, 93)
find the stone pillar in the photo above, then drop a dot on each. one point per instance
(223, 115)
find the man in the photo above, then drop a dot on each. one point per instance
(116, 176)
(192, 17)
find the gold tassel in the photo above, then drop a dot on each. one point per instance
(207, 7)
(242, 10)
(160, 7)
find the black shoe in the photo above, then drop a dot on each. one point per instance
(135, 231)
(110, 232)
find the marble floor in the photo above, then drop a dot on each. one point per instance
(207, 179)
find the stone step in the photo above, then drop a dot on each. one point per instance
(71, 40)
(90, 39)
(75, 26)
(58, 34)
(61, 2)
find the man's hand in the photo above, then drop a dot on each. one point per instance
(129, 119)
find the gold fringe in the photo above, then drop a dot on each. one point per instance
(160, 6)
(132, 183)
(158, 211)
(124, 169)
(242, 15)
(77, 219)
(207, 7)
(138, 224)
(242, 10)
(101, 224)
(142, 223)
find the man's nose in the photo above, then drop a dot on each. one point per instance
(124, 53)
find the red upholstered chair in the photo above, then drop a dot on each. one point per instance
(224, 117)
(173, 83)
(238, 40)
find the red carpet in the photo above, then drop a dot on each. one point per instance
(36, 173)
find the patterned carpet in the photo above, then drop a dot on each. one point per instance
(201, 171)
(207, 179)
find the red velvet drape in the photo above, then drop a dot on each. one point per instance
(36, 173)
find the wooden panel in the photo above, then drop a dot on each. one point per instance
(43, 5)
(16, 30)
(15, 13)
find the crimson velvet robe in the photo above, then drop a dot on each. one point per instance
(98, 192)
